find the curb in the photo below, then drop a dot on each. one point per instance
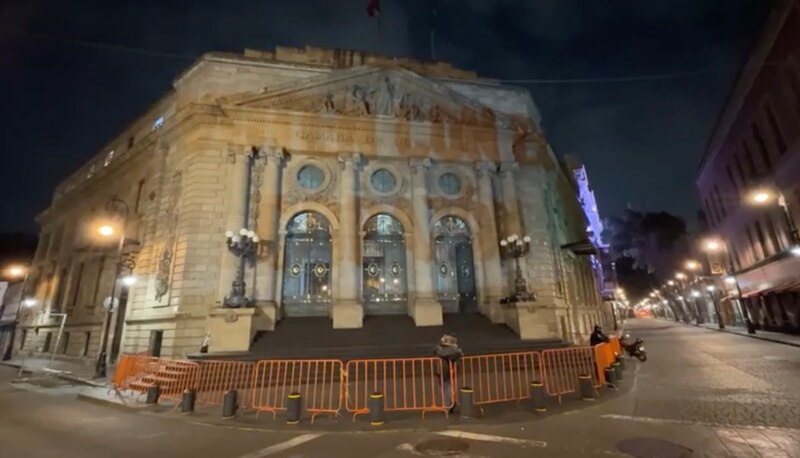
(108, 403)
(751, 336)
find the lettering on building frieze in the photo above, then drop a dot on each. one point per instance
(317, 135)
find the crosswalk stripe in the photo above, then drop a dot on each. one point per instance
(277, 448)
(492, 438)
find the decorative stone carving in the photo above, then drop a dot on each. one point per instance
(167, 253)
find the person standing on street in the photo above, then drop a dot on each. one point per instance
(449, 351)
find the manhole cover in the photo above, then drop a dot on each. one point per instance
(442, 447)
(645, 447)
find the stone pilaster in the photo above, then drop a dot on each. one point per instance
(347, 311)
(508, 171)
(426, 311)
(489, 243)
(267, 230)
(234, 217)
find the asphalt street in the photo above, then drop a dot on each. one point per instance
(701, 393)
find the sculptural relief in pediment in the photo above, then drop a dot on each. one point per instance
(396, 94)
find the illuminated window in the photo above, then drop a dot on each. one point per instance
(90, 172)
(158, 123)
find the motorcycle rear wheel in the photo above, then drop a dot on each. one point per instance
(642, 357)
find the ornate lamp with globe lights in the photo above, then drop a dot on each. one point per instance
(243, 245)
(517, 247)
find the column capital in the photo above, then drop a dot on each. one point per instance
(235, 151)
(509, 167)
(420, 163)
(485, 168)
(275, 154)
(353, 160)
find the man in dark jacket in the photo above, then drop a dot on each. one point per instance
(449, 351)
(597, 337)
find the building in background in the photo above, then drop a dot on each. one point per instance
(749, 181)
(602, 261)
(355, 185)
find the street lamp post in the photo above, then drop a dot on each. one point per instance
(17, 271)
(517, 247)
(713, 246)
(243, 246)
(115, 206)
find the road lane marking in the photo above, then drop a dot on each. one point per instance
(492, 438)
(413, 450)
(671, 421)
(277, 448)
(153, 435)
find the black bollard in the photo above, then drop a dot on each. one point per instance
(375, 406)
(467, 403)
(229, 404)
(293, 407)
(621, 362)
(586, 387)
(152, 394)
(538, 396)
(611, 375)
(187, 401)
(618, 369)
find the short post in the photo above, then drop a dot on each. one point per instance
(586, 387)
(538, 396)
(375, 406)
(618, 369)
(187, 401)
(611, 375)
(152, 394)
(229, 404)
(293, 407)
(467, 403)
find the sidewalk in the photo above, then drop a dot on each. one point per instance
(79, 371)
(776, 337)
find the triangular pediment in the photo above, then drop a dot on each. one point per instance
(372, 92)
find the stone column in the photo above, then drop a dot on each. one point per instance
(234, 218)
(489, 243)
(267, 230)
(427, 311)
(347, 309)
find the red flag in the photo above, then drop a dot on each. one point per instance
(373, 8)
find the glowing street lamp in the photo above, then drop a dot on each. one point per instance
(692, 265)
(106, 230)
(760, 196)
(695, 293)
(680, 276)
(712, 245)
(17, 271)
(671, 282)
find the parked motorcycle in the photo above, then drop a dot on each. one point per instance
(634, 349)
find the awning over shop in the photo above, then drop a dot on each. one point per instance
(581, 248)
(781, 275)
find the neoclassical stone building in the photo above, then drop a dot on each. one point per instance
(372, 185)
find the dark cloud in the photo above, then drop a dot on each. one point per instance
(63, 100)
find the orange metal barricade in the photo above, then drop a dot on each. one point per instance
(319, 381)
(501, 377)
(604, 357)
(407, 384)
(218, 377)
(562, 367)
(138, 373)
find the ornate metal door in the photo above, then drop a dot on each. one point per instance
(467, 297)
(384, 267)
(307, 266)
(455, 268)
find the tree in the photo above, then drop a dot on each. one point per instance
(656, 241)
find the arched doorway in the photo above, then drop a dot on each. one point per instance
(455, 268)
(307, 266)
(385, 290)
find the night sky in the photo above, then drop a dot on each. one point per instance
(74, 73)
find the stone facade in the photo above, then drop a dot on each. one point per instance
(328, 140)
